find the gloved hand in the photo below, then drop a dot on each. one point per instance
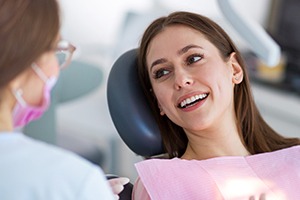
(261, 197)
(117, 185)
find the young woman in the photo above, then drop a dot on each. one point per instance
(221, 148)
(29, 68)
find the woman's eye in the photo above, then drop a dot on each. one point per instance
(193, 58)
(160, 73)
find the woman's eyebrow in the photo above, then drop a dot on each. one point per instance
(157, 62)
(180, 52)
(188, 47)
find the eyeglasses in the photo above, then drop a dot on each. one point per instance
(64, 52)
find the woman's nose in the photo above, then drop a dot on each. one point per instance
(182, 79)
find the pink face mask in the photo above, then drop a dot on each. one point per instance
(24, 113)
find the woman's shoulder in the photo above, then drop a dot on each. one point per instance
(178, 178)
(283, 158)
(289, 152)
(175, 179)
(139, 191)
(169, 168)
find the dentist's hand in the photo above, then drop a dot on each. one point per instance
(261, 197)
(117, 185)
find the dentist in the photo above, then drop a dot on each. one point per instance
(29, 68)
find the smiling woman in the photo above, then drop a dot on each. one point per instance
(198, 88)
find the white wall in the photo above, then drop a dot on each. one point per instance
(94, 23)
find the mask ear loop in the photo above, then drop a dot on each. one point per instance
(39, 72)
(18, 94)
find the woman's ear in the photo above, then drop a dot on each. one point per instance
(237, 71)
(162, 113)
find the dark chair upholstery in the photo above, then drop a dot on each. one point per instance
(129, 111)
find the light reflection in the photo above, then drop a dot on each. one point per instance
(236, 189)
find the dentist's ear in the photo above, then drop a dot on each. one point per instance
(237, 71)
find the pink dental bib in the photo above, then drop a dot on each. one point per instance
(275, 174)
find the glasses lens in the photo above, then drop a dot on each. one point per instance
(64, 58)
(61, 57)
(64, 53)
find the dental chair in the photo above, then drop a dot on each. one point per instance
(130, 113)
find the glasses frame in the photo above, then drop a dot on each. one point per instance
(67, 49)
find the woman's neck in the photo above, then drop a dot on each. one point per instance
(220, 138)
(214, 145)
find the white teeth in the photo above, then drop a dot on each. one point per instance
(188, 101)
(192, 99)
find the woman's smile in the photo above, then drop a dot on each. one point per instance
(192, 102)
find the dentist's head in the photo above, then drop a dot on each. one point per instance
(30, 40)
(32, 53)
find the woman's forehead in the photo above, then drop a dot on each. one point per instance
(174, 38)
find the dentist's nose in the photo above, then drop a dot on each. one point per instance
(182, 79)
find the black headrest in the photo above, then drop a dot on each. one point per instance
(129, 110)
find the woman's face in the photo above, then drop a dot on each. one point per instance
(192, 83)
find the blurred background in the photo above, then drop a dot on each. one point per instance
(79, 119)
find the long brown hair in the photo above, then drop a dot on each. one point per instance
(28, 28)
(254, 132)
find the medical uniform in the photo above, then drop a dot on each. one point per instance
(275, 174)
(33, 170)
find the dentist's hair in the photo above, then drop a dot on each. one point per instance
(256, 135)
(28, 28)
